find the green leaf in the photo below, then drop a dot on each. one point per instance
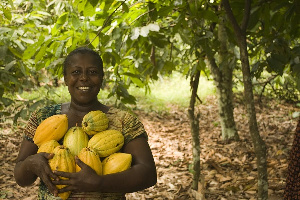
(62, 18)
(27, 40)
(15, 52)
(137, 81)
(89, 10)
(81, 5)
(3, 51)
(129, 100)
(275, 65)
(296, 70)
(95, 39)
(4, 30)
(125, 8)
(10, 65)
(169, 66)
(59, 50)
(69, 42)
(153, 12)
(98, 22)
(7, 13)
(209, 15)
(42, 51)
(36, 105)
(159, 40)
(11, 4)
(6, 101)
(165, 11)
(76, 22)
(94, 2)
(31, 50)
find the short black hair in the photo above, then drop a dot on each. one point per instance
(84, 50)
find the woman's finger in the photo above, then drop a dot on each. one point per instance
(63, 174)
(66, 189)
(62, 182)
(48, 156)
(47, 181)
(79, 162)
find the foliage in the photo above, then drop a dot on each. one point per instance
(138, 41)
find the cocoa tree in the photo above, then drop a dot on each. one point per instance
(258, 143)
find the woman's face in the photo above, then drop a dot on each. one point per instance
(83, 78)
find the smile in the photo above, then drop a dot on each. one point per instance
(84, 89)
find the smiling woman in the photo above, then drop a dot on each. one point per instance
(83, 75)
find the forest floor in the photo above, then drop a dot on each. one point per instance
(228, 171)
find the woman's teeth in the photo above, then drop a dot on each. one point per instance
(84, 88)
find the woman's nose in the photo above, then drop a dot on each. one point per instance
(83, 76)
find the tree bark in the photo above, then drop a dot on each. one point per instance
(222, 76)
(194, 123)
(259, 144)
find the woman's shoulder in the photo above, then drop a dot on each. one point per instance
(47, 111)
(114, 112)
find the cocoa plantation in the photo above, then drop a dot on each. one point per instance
(215, 84)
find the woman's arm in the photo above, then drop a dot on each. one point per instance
(141, 175)
(31, 165)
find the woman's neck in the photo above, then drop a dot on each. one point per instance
(81, 109)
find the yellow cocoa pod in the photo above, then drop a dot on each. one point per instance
(94, 122)
(75, 139)
(107, 142)
(52, 128)
(116, 162)
(48, 146)
(91, 158)
(63, 160)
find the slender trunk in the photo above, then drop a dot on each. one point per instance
(222, 76)
(194, 123)
(258, 143)
(224, 95)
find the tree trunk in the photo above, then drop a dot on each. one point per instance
(194, 123)
(222, 76)
(258, 143)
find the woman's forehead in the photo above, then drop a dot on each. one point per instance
(83, 59)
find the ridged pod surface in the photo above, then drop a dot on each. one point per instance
(75, 139)
(116, 162)
(107, 142)
(91, 158)
(48, 146)
(94, 122)
(52, 128)
(63, 160)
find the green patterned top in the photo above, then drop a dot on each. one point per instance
(120, 120)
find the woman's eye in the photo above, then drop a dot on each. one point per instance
(94, 72)
(75, 72)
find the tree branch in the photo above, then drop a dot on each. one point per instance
(246, 15)
(236, 27)
(142, 15)
(105, 23)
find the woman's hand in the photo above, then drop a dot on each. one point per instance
(141, 175)
(38, 164)
(31, 165)
(82, 181)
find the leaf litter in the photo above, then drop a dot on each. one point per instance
(228, 170)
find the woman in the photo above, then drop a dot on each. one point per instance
(292, 189)
(83, 74)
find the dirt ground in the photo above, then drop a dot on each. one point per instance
(228, 171)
